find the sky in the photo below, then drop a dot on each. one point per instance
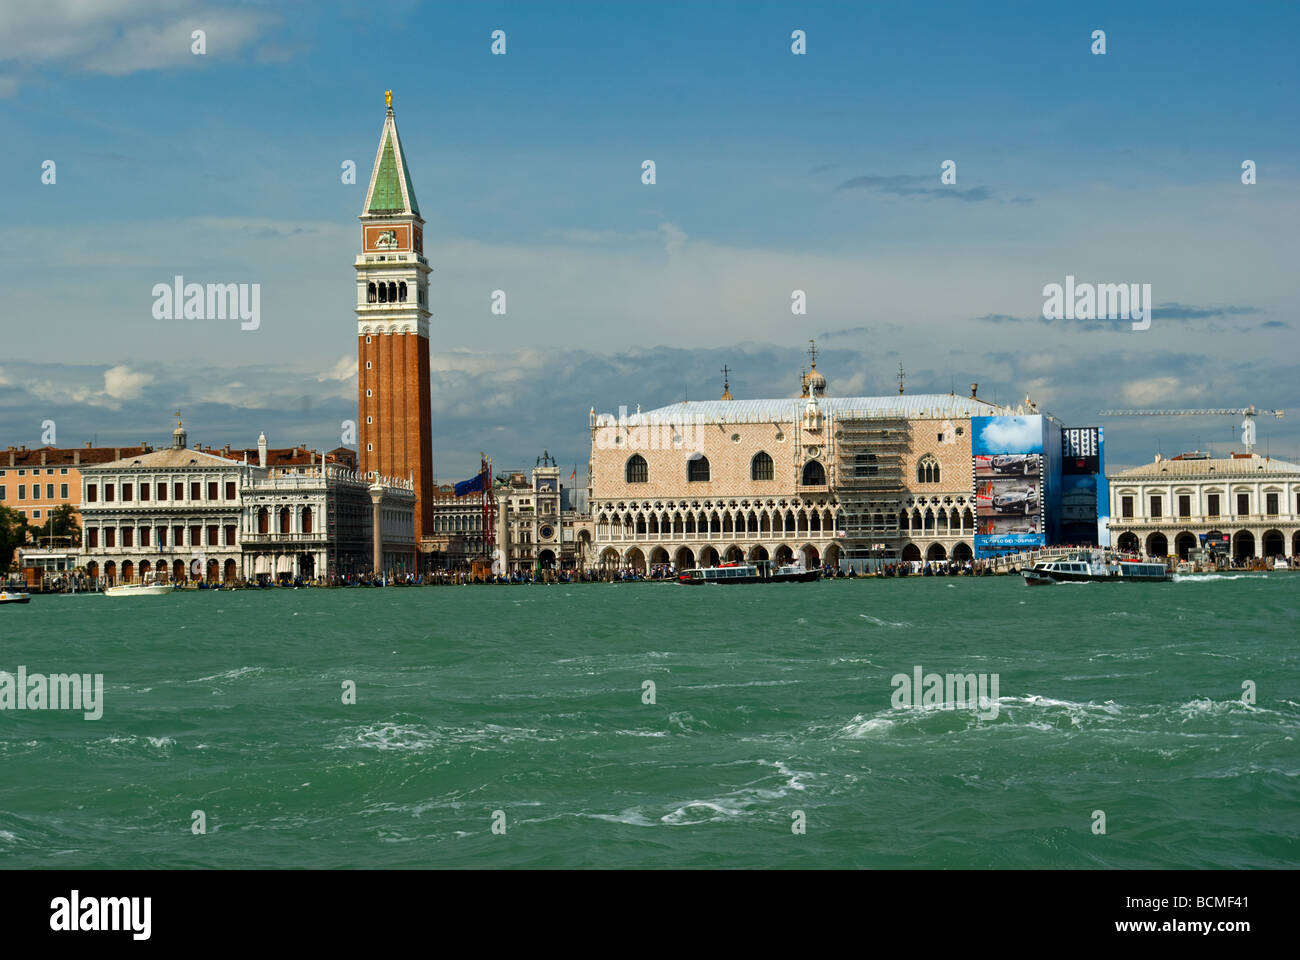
(775, 172)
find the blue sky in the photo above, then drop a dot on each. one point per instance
(774, 172)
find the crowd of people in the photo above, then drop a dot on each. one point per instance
(79, 582)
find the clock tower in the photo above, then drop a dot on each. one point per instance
(393, 404)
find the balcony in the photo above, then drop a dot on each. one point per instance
(1197, 520)
(257, 539)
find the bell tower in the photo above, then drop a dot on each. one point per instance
(393, 403)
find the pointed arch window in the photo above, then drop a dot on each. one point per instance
(637, 469)
(865, 465)
(927, 471)
(814, 474)
(760, 468)
(697, 469)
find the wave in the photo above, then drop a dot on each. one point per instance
(1212, 577)
(884, 623)
(418, 737)
(230, 674)
(680, 816)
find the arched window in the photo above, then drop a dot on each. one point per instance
(697, 469)
(371, 295)
(865, 465)
(306, 519)
(284, 519)
(814, 474)
(637, 469)
(392, 292)
(401, 292)
(760, 468)
(383, 293)
(927, 471)
(263, 521)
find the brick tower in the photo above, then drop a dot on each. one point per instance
(393, 407)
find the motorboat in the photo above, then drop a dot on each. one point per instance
(760, 572)
(1095, 567)
(148, 589)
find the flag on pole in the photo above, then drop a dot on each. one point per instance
(470, 486)
(574, 476)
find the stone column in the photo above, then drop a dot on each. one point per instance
(503, 531)
(377, 495)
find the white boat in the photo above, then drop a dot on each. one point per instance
(138, 590)
(1281, 564)
(14, 595)
(758, 572)
(1094, 566)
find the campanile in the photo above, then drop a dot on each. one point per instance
(394, 418)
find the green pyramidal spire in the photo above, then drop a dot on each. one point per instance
(390, 185)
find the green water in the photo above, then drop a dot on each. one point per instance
(770, 699)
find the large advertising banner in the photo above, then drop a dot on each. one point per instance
(1008, 472)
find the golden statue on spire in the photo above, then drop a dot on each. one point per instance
(388, 98)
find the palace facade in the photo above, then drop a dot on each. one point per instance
(849, 482)
(185, 514)
(1244, 506)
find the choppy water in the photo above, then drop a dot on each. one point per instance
(769, 700)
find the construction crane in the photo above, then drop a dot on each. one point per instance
(1247, 414)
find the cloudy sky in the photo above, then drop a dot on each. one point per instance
(775, 172)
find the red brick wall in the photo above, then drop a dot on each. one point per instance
(402, 431)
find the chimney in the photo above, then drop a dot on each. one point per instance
(42, 457)
(117, 453)
(76, 458)
(974, 389)
(88, 447)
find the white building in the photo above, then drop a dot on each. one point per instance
(191, 514)
(1245, 505)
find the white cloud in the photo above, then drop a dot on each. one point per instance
(345, 369)
(1152, 390)
(1013, 435)
(118, 37)
(122, 383)
(674, 238)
